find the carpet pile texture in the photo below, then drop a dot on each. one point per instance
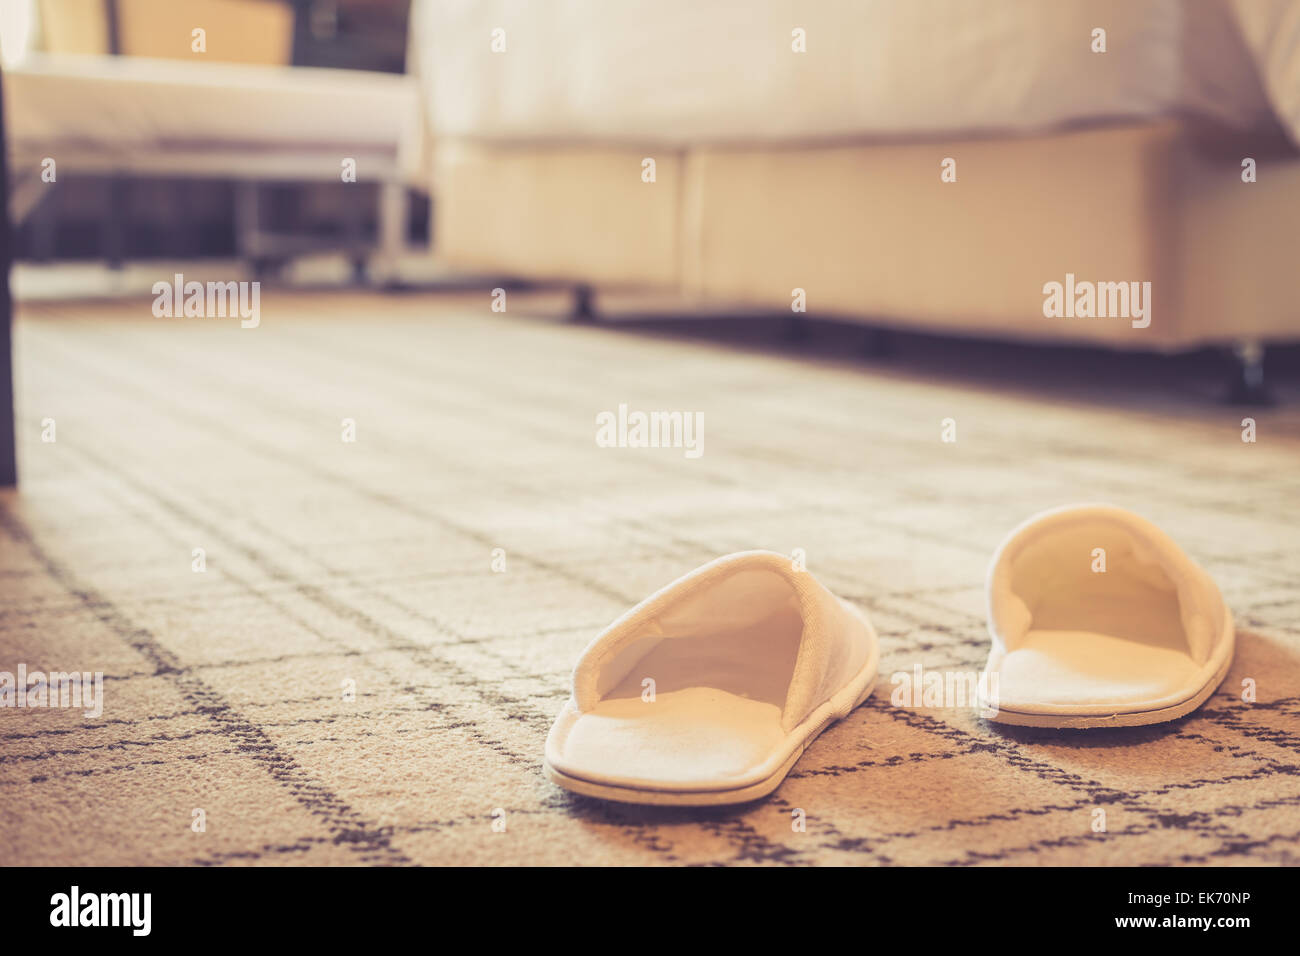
(351, 681)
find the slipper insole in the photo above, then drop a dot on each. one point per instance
(1083, 667)
(699, 734)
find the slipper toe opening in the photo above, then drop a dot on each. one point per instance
(1100, 618)
(694, 697)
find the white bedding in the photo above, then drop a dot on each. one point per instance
(682, 72)
(1271, 31)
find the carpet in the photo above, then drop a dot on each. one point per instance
(322, 651)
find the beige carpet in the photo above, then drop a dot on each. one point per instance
(370, 562)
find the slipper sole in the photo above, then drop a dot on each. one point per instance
(1135, 719)
(720, 797)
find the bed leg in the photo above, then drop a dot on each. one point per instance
(583, 309)
(1247, 386)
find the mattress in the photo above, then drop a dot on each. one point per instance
(686, 72)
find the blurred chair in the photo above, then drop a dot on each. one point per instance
(170, 111)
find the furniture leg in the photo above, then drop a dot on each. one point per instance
(583, 309)
(1247, 385)
(394, 217)
(115, 229)
(247, 219)
(8, 451)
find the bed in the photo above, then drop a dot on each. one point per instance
(823, 170)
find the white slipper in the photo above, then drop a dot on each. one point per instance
(708, 691)
(1145, 640)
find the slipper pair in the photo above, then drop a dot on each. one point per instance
(710, 690)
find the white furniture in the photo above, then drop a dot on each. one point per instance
(778, 170)
(253, 124)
